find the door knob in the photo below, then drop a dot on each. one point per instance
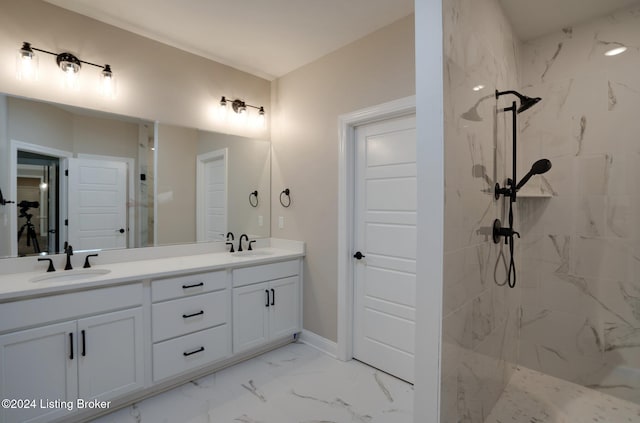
(358, 255)
(121, 230)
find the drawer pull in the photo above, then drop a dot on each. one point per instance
(84, 343)
(273, 296)
(193, 286)
(187, 354)
(71, 346)
(267, 304)
(186, 316)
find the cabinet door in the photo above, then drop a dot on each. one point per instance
(39, 364)
(110, 356)
(250, 325)
(284, 315)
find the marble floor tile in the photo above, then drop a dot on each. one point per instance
(293, 384)
(535, 397)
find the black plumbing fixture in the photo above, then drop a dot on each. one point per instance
(525, 102)
(243, 236)
(68, 249)
(511, 188)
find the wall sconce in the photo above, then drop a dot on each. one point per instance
(27, 68)
(240, 109)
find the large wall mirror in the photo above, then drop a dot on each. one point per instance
(77, 176)
(86, 178)
(210, 184)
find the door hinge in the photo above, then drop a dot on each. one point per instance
(66, 172)
(66, 222)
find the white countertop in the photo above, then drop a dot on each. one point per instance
(19, 285)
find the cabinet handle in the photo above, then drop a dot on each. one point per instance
(187, 354)
(273, 296)
(186, 316)
(71, 346)
(84, 343)
(267, 304)
(193, 286)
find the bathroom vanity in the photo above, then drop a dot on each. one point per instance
(86, 342)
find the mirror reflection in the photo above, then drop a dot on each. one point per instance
(77, 176)
(86, 178)
(212, 184)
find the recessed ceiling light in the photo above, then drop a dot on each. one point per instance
(478, 87)
(615, 51)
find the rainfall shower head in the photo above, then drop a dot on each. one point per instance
(538, 168)
(525, 102)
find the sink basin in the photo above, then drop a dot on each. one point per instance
(252, 253)
(69, 275)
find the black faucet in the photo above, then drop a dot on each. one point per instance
(69, 252)
(87, 264)
(51, 268)
(230, 235)
(240, 241)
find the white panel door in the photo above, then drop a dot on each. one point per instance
(212, 196)
(97, 204)
(385, 233)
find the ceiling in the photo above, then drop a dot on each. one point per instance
(266, 38)
(271, 38)
(534, 18)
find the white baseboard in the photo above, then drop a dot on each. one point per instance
(318, 342)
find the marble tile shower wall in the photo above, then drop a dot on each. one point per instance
(580, 255)
(480, 318)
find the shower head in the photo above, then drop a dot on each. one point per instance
(538, 168)
(525, 102)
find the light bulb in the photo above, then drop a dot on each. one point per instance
(43, 186)
(107, 83)
(26, 64)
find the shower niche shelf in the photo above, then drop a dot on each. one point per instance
(533, 192)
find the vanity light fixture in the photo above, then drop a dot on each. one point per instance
(27, 68)
(240, 108)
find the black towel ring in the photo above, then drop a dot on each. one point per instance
(286, 193)
(254, 194)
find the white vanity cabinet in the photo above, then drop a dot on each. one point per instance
(266, 304)
(190, 322)
(95, 357)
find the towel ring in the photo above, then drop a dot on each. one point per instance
(254, 194)
(285, 193)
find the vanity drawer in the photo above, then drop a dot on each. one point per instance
(265, 272)
(186, 315)
(190, 351)
(183, 286)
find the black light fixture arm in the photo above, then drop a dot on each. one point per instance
(64, 56)
(238, 105)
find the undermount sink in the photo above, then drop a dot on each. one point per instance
(69, 275)
(252, 253)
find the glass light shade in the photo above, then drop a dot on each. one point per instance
(107, 83)
(43, 186)
(26, 64)
(71, 77)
